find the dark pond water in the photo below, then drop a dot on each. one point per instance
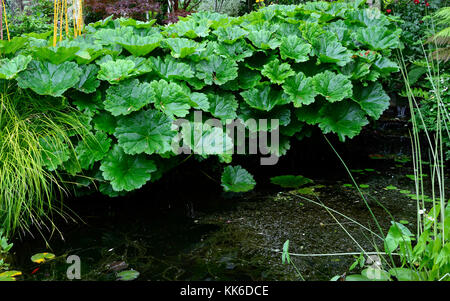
(185, 228)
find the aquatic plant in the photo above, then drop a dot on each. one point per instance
(134, 76)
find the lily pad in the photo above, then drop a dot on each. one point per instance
(42, 257)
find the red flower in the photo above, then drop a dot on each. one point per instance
(427, 4)
(388, 11)
(416, 1)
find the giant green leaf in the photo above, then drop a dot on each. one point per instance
(145, 132)
(169, 68)
(264, 97)
(264, 39)
(222, 105)
(141, 45)
(345, 118)
(126, 172)
(230, 34)
(116, 71)
(295, 48)
(46, 78)
(277, 72)
(217, 70)
(237, 51)
(55, 55)
(237, 179)
(127, 97)
(385, 66)
(181, 47)
(204, 139)
(329, 50)
(300, 89)
(9, 68)
(92, 149)
(170, 98)
(334, 87)
(378, 38)
(88, 80)
(372, 99)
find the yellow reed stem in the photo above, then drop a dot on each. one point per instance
(55, 22)
(75, 33)
(67, 18)
(6, 20)
(61, 9)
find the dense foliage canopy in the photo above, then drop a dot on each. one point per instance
(312, 65)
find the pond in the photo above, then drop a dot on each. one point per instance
(186, 229)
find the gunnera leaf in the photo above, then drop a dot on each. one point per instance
(277, 72)
(170, 69)
(237, 179)
(116, 71)
(222, 105)
(372, 99)
(237, 51)
(300, 89)
(145, 132)
(217, 70)
(334, 87)
(378, 38)
(9, 68)
(45, 78)
(141, 45)
(88, 80)
(92, 149)
(264, 39)
(329, 50)
(126, 172)
(55, 55)
(181, 47)
(230, 34)
(344, 118)
(170, 98)
(295, 48)
(264, 97)
(127, 97)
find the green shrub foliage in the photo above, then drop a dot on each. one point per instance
(315, 65)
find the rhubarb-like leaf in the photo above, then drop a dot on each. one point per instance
(45, 78)
(9, 68)
(170, 98)
(145, 132)
(116, 71)
(277, 72)
(344, 118)
(181, 47)
(295, 48)
(223, 105)
(217, 70)
(334, 87)
(88, 80)
(300, 89)
(127, 97)
(372, 99)
(237, 179)
(170, 69)
(126, 172)
(264, 98)
(92, 149)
